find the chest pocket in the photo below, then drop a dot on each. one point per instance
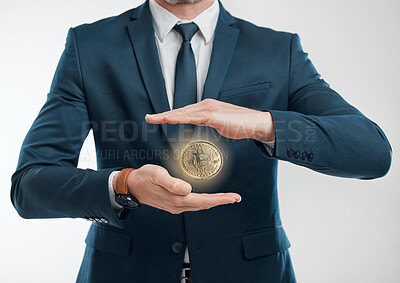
(253, 96)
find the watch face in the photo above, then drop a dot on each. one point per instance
(126, 201)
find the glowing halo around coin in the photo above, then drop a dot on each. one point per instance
(201, 160)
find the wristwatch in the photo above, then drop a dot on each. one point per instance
(122, 195)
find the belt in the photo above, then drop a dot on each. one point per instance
(186, 274)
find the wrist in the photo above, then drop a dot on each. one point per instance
(132, 182)
(264, 129)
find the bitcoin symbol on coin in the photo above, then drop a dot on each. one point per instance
(201, 160)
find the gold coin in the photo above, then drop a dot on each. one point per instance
(201, 160)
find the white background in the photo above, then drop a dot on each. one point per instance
(341, 230)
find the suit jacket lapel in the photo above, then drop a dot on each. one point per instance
(225, 38)
(141, 33)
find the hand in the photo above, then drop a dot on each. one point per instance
(152, 185)
(231, 121)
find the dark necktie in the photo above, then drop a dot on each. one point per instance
(185, 74)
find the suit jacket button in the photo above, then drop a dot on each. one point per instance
(290, 152)
(177, 247)
(310, 156)
(91, 219)
(104, 220)
(297, 154)
(97, 220)
(303, 155)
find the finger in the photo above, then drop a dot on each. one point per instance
(196, 118)
(200, 201)
(161, 116)
(171, 184)
(180, 115)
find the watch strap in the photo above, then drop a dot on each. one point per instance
(121, 182)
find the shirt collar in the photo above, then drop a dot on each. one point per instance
(164, 20)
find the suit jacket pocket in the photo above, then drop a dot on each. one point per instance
(245, 89)
(264, 242)
(109, 239)
(254, 96)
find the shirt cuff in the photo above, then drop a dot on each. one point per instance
(269, 146)
(111, 191)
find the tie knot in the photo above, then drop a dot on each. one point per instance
(186, 30)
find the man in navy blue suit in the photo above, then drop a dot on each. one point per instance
(153, 79)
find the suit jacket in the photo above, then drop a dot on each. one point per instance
(109, 74)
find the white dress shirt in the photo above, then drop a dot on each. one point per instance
(169, 42)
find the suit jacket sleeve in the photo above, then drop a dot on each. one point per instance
(47, 183)
(323, 132)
